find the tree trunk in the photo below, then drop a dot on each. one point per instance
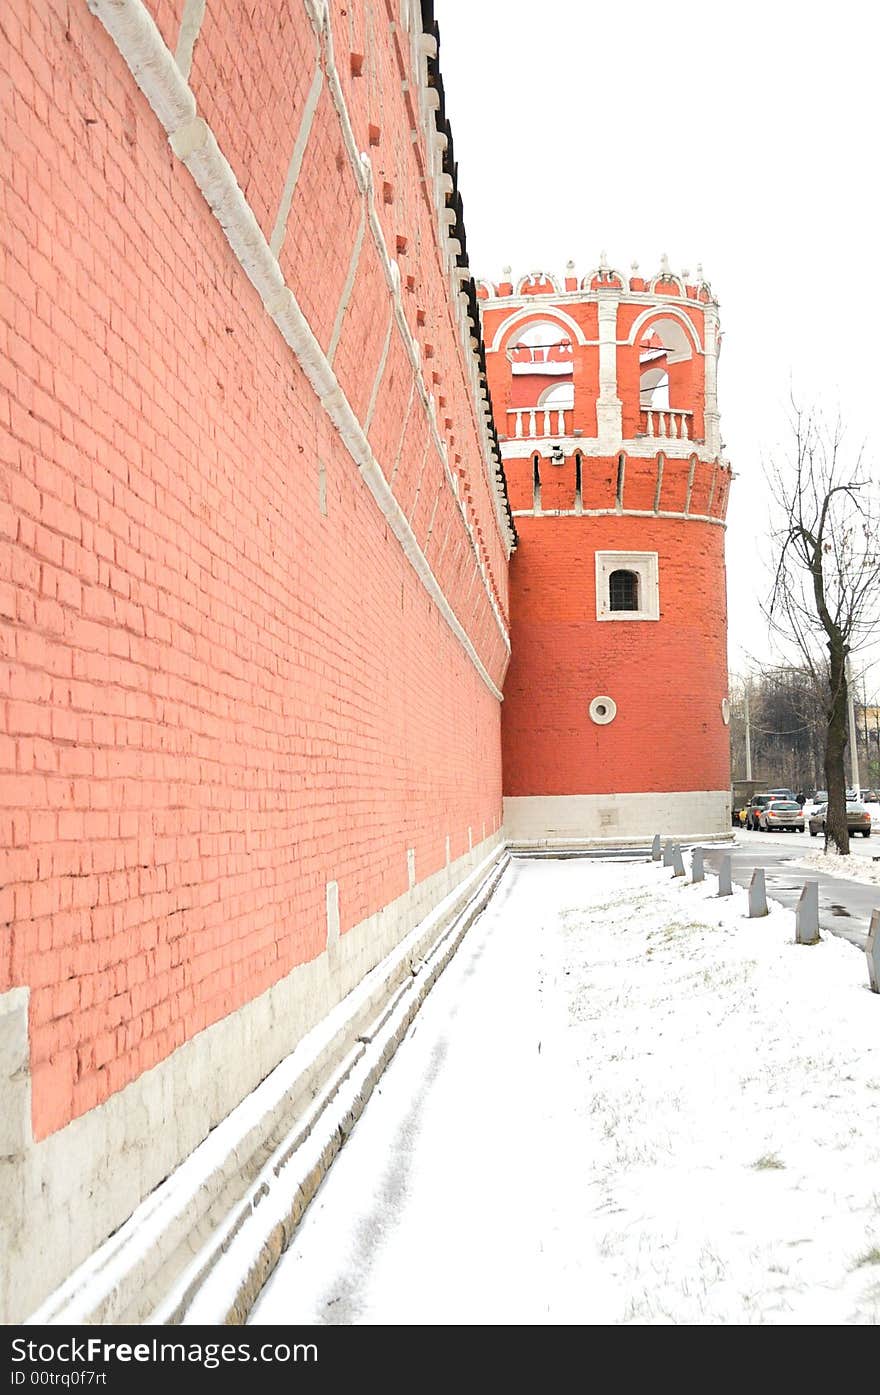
(836, 829)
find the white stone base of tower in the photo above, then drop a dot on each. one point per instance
(574, 818)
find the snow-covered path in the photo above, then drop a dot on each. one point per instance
(623, 1102)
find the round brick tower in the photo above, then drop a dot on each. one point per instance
(615, 707)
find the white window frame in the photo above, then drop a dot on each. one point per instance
(645, 565)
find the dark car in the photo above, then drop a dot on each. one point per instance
(756, 804)
(782, 794)
(858, 819)
(781, 814)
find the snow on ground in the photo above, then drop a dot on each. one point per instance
(623, 1103)
(852, 868)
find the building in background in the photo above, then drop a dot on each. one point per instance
(616, 712)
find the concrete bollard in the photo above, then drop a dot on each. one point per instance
(667, 854)
(758, 894)
(697, 865)
(677, 861)
(725, 885)
(655, 848)
(806, 916)
(872, 950)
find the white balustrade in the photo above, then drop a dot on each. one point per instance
(538, 422)
(669, 422)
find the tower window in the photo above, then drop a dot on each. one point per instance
(623, 590)
(627, 586)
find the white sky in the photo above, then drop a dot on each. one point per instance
(743, 137)
(623, 1102)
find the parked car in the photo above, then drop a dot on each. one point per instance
(756, 804)
(871, 796)
(781, 814)
(782, 794)
(858, 819)
(820, 797)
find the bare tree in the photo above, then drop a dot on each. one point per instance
(824, 598)
(787, 726)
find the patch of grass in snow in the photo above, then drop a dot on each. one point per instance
(769, 1162)
(676, 930)
(871, 1256)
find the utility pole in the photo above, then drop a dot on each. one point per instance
(748, 736)
(854, 751)
(865, 724)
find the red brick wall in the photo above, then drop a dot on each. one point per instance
(667, 677)
(213, 696)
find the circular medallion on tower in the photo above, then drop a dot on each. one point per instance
(603, 710)
(725, 711)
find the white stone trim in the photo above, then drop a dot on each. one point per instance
(546, 311)
(15, 1080)
(279, 231)
(481, 413)
(153, 67)
(603, 710)
(417, 495)
(646, 567)
(619, 513)
(421, 47)
(673, 312)
(62, 1196)
(637, 447)
(190, 28)
(347, 285)
(398, 455)
(690, 486)
(377, 380)
(535, 278)
(545, 820)
(332, 915)
(579, 297)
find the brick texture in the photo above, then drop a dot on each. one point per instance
(667, 677)
(214, 695)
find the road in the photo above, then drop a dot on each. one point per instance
(844, 906)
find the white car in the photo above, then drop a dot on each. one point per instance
(780, 814)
